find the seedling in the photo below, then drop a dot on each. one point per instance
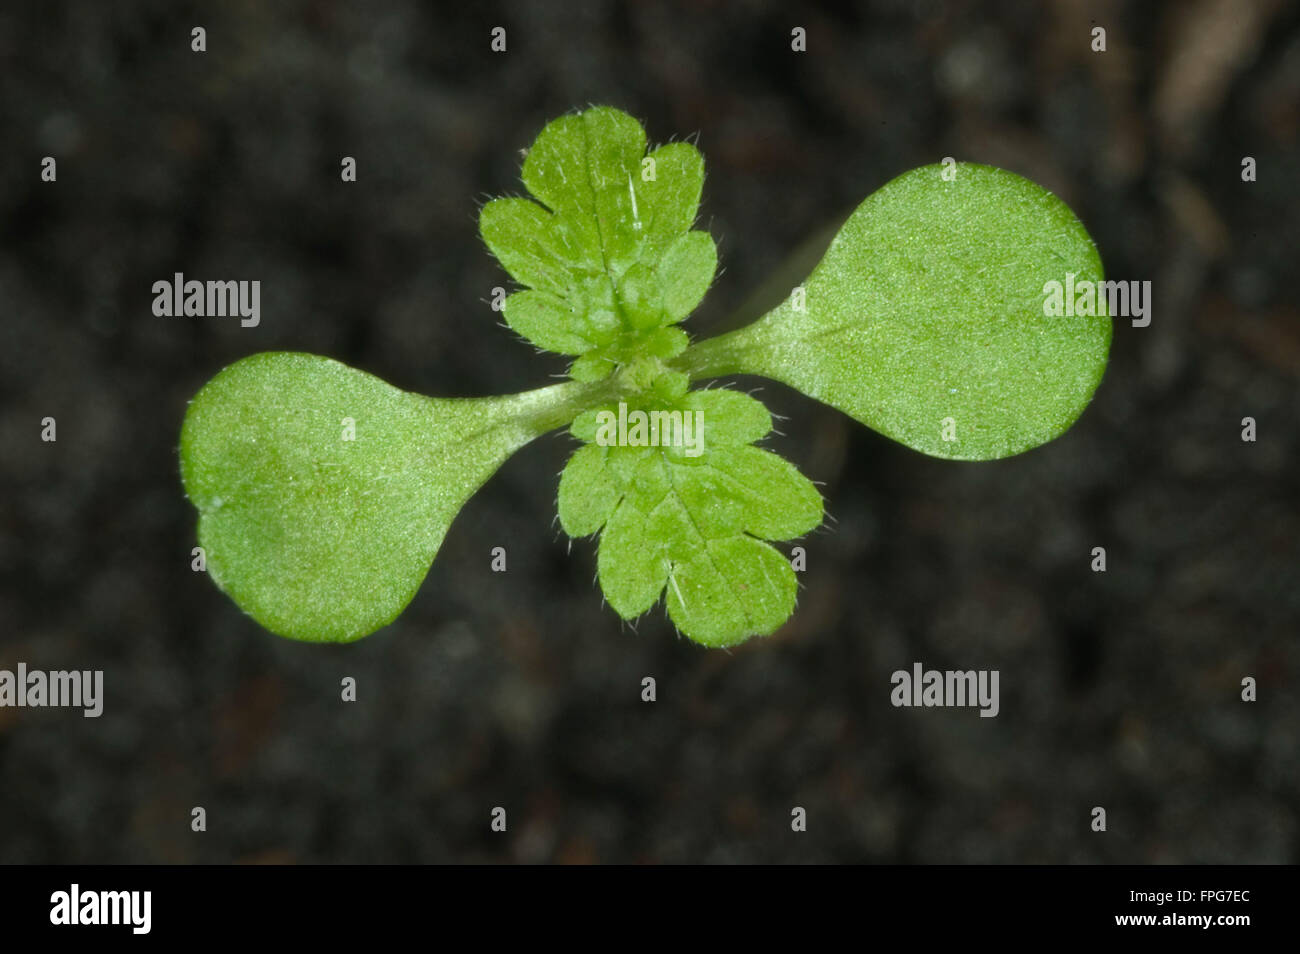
(324, 493)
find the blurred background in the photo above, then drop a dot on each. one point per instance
(1119, 689)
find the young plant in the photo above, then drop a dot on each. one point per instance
(324, 493)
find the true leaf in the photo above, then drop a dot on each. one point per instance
(549, 322)
(608, 255)
(730, 588)
(695, 525)
(685, 273)
(632, 564)
(588, 493)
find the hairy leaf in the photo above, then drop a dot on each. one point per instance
(608, 256)
(694, 523)
(925, 319)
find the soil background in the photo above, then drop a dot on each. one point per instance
(1119, 689)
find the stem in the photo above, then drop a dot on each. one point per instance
(545, 409)
(724, 354)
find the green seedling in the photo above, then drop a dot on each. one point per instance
(324, 493)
